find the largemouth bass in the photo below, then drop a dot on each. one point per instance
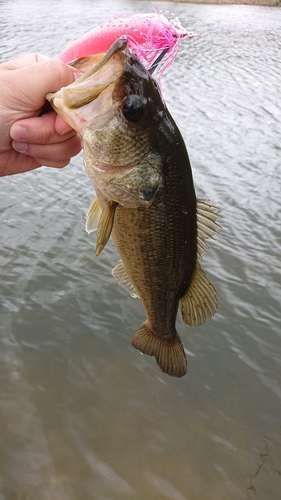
(136, 157)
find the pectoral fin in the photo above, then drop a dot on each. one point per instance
(199, 303)
(93, 216)
(105, 225)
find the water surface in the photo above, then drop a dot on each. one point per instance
(83, 414)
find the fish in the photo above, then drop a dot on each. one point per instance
(145, 199)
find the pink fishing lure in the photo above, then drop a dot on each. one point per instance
(148, 36)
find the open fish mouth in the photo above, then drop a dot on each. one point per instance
(97, 80)
(99, 73)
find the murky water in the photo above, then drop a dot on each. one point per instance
(83, 414)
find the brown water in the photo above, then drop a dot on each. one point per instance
(83, 415)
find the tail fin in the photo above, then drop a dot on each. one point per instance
(169, 355)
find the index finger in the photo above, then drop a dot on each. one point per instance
(23, 60)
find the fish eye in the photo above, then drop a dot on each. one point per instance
(133, 109)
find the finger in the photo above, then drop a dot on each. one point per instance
(61, 126)
(13, 162)
(40, 130)
(53, 164)
(50, 76)
(23, 60)
(50, 154)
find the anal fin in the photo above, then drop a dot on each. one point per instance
(120, 274)
(170, 355)
(200, 301)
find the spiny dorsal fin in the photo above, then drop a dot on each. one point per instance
(206, 225)
(170, 355)
(105, 225)
(93, 216)
(200, 302)
(120, 274)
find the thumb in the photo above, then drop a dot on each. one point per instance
(52, 75)
(31, 83)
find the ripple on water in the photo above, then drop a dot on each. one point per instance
(83, 414)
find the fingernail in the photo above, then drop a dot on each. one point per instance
(61, 126)
(64, 130)
(18, 133)
(21, 147)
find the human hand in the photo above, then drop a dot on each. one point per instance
(30, 136)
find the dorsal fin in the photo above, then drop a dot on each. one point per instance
(206, 224)
(120, 274)
(200, 301)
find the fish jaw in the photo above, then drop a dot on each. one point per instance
(88, 99)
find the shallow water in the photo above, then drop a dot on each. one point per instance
(83, 414)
